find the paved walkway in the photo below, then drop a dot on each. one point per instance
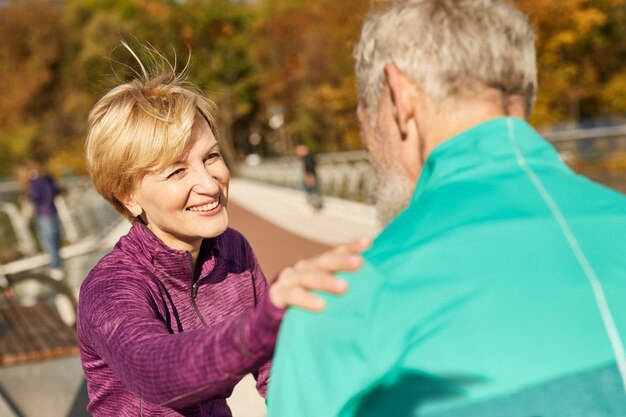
(280, 227)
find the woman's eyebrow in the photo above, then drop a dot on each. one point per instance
(178, 161)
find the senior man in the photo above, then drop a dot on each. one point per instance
(498, 286)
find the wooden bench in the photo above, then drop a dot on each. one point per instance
(33, 333)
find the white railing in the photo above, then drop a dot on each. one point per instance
(343, 174)
(82, 211)
(347, 174)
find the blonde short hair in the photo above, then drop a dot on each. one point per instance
(139, 127)
(450, 48)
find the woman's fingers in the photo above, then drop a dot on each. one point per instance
(354, 247)
(329, 262)
(297, 297)
(318, 281)
(341, 258)
(292, 285)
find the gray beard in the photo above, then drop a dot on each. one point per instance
(393, 194)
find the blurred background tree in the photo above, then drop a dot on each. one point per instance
(581, 48)
(306, 68)
(280, 71)
(31, 39)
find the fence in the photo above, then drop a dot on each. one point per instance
(599, 153)
(82, 212)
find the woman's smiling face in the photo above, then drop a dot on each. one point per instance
(186, 202)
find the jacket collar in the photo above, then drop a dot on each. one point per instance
(492, 149)
(172, 264)
(487, 149)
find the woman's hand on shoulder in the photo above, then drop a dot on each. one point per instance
(294, 285)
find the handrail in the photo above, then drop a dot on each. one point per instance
(84, 215)
(25, 241)
(581, 134)
(346, 174)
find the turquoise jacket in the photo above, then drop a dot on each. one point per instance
(500, 291)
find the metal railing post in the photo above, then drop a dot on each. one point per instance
(347, 174)
(25, 240)
(67, 221)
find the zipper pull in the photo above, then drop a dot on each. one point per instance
(194, 290)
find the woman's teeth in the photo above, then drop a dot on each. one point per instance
(206, 207)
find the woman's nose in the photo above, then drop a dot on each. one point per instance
(205, 181)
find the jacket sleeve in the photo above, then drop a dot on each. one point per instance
(54, 187)
(118, 319)
(34, 193)
(324, 361)
(262, 376)
(263, 373)
(261, 288)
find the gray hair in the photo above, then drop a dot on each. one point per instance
(450, 48)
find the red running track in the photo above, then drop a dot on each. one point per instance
(274, 247)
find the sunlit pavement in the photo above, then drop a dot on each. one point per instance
(338, 222)
(280, 226)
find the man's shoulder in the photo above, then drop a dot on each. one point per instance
(344, 317)
(598, 197)
(363, 286)
(396, 242)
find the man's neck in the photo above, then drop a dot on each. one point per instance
(445, 123)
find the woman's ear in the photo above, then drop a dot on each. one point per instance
(131, 205)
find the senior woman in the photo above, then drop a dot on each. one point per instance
(179, 311)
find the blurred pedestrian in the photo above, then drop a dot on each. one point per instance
(497, 287)
(310, 181)
(180, 311)
(40, 191)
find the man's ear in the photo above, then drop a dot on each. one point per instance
(516, 106)
(404, 100)
(402, 97)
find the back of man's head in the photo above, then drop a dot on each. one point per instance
(452, 49)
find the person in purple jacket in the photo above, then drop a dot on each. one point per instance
(41, 191)
(179, 311)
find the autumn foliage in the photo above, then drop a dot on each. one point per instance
(257, 59)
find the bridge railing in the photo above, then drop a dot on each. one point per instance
(342, 174)
(348, 175)
(82, 211)
(26, 285)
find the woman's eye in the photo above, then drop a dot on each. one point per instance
(212, 156)
(175, 173)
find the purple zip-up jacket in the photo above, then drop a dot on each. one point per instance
(153, 343)
(43, 189)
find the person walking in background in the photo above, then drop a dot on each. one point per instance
(179, 311)
(497, 287)
(41, 191)
(310, 181)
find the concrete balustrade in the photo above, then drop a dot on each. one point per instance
(83, 213)
(347, 175)
(20, 225)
